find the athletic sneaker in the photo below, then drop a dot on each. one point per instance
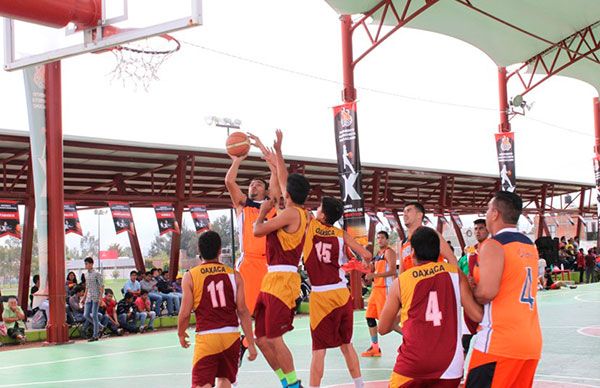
(142, 329)
(371, 352)
(572, 287)
(297, 384)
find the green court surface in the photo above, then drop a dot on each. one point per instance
(570, 322)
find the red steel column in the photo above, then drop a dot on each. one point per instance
(459, 235)
(503, 96)
(26, 248)
(57, 329)
(597, 147)
(137, 252)
(542, 222)
(349, 92)
(581, 207)
(176, 237)
(400, 230)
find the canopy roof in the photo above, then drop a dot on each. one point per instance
(508, 31)
(99, 170)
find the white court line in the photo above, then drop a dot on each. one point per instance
(587, 335)
(578, 297)
(253, 371)
(86, 357)
(563, 382)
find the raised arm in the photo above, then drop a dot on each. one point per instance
(363, 252)
(282, 220)
(282, 172)
(446, 251)
(237, 197)
(244, 316)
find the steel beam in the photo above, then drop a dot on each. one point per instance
(176, 237)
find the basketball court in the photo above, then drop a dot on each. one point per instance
(570, 322)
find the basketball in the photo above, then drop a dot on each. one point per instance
(237, 144)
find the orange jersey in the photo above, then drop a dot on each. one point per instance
(214, 298)
(251, 246)
(381, 266)
(510, 326)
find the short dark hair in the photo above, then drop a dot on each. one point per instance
(264, 182)
(11, 297)
(417, 206)
(133, 272)
(108, 291)
(89, 260)
(78, 289)
(479, 221)
(509, 205)
(333, 209)
(385, 234)
(143, 292)
(128, 295)
(298, 188)
(209, 245)
(426, 244)
(149, 273)
(36, 277)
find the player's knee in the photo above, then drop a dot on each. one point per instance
(371, 322)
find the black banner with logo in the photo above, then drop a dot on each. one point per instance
(122, 218)
(165, 216)
(200, 217)
(72, 224)
(9, 219)
(505, 148)
(346, 140)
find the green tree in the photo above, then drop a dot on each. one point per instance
(160, 247)
(122, 251)
(88, 245)
(222, 225)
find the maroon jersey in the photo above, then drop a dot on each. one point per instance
(214, 298)
(430, 318)
(285, 248)
(324, 254)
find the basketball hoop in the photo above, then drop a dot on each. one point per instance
(138, 62)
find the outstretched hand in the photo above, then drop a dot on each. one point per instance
(270, 157)
(184, 340)
(255, 141)
(278, 140)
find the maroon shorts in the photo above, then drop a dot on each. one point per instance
(223, 364)
(272, 317)
(335, 327)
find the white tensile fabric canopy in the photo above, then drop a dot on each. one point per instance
(508, 31)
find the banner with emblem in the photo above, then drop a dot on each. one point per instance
(391, 219)
(122, 218)
(165, 216)
(349, 170)
(505, 148)
(597, 176)
(200, 217)
(72, 224)
(9, 219)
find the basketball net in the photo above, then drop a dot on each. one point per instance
(138, 62)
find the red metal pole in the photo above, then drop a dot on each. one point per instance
(349, 92)
(137, 252)
(581, 207)
(400, 229)
(26, 248)
(597, 124)
(176, 237)
(459, 235)
(542, 222)
(503, 95)
(57, 329)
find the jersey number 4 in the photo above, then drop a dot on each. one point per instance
(526, 291)
(214, 291)
(324, 252)
(433, 313)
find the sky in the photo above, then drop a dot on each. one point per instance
(424, 100)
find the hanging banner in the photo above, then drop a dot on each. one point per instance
(122, 218)
(200, 217)
(505, 148)
(72, 224)
(9, 219)
(35, 93)
(348, 157)
(597, 176)
(165, 216)
(391, 220)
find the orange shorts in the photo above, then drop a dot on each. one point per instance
(488, 370)
(253, 271)
(376, 302)
(399, 381)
